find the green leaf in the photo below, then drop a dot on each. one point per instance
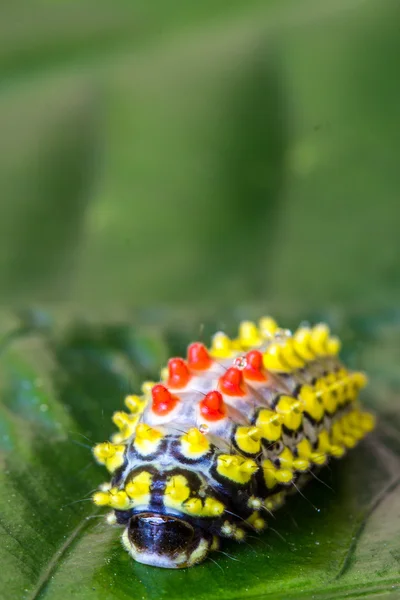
(59, 386)
(217, 153)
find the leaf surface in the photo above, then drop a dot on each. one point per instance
(59, 389)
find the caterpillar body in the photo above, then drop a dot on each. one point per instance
(225, 437)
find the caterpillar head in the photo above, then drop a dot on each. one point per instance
(165, 541)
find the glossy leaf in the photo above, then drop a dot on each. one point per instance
(59, 387)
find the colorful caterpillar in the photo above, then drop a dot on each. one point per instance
(226, 436)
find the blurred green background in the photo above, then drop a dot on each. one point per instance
(207, 154)
(199, 162)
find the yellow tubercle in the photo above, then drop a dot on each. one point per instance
(304, 449)
(272, 359)
(236, 345)
(359, 379)
(291, 411)
(236, 468)
(368, 421)
(284, 475)
(301, 464)
(136, 404)
(342, 373)
(274, 501)
(270, 424)
(147, 439)
(337, 451)
(352, 419)
(104, 451)
(325, 445)
(316, 341)
(319, 458)
(337, 433)
(342, 386)
(194, 444)
(268, 327)
(147, 386)
(319, 339)
(336, 389)
(177, 496)
(286, 458)
(126, 424)
(239, 534)
(326, 388)
(259, 524)
(324, 442)
(110, 455)
(351, 424)
(176, 492)
(248, 439)
(256, 521)
(289, 462)
(212, 508)
(115, 498)
(290, 356)
(302, 343)
(349, 441)
(164, 374)
(311, 402)
(333, 346)
(249, 336)
(221, 346)
(193, 506)
(248, 467)
(101, 498)
(274, 475)
(119, 499)
(138, 489)
(341, 437)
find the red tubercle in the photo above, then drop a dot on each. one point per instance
(198, 357)
(178, 373)
(163, 400)
(254, 366)
(212, 407)
(231, 383)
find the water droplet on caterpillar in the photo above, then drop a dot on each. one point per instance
(240, 362)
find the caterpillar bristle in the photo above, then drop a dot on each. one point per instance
(225, 436)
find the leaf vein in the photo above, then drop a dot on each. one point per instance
(53, 563)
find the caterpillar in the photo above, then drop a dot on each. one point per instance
(214, 447)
